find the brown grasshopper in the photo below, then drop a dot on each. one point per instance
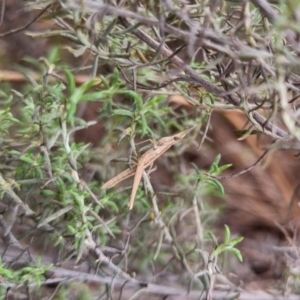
(146, 160)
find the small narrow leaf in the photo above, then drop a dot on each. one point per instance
(245, 133)
(105, 83)
(213, 168)
(122, 112)
(237, 253)
(213, 237)
(223, 168)
(71, 81)
(138, 99)
(217, 159)
(235, 241)
(219, 187)
(94, 96)
(227, 234)
(27, 159)
(144, 125)
(196, 170)
(115, 79)
(55, 215)
(71, 229)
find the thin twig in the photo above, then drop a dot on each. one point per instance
(16, 30)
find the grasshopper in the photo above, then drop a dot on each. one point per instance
(146, 160)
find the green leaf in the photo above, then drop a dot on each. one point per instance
(48, 193)
(221, 248)
(217, 159)
(156, 100)
(27, 159)
(229, 246)
(59, 240)
(39, 173)
(54, 55)
(113, 206)
(122, 112)
(4, 95)
(160, 120)
(144, 125)
(71, 229)
(196, 170)
(235, 241)
(54, 216)
(214, 182)
(213, 168)
(71, 81)
(105, 83)
(212, 98)
(223, 168)
(151, 133)
(115, 78)
(108, 203)
(213, 237)
(61, 185)
(138, 99)
(80, 249)
(79, 92)
(95, 96)
(109, 28)
(227, 234)
(195, 177)
(14, 152)
(237, 253)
